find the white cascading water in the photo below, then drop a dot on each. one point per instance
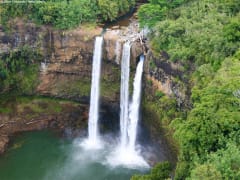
(124, 93)
(135, 105)
(93, 137)
(126, 154)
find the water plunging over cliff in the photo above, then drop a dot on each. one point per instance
(93, 137)
(135, 105)
(124, 93)
(126, 154)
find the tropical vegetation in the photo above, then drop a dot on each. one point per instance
(201, 35)
(205, 35)
(66, 14)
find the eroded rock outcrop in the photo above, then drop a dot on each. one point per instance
(26, 114)
(66, 72)
(167, 77)
(67, 57)
(67, 60)
(3, 143)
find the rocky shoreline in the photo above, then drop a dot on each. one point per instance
(26, 117)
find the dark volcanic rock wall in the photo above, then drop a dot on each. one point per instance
(167, 77)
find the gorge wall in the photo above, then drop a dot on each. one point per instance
(67, 63)
(68, 58)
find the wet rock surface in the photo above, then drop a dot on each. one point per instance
(68, 117)
(168, 77)
(66, 73)
(67, 56)
(37, 114)
(3, 143)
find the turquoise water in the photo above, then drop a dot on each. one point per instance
(45, 156)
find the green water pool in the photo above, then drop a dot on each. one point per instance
(44, 155)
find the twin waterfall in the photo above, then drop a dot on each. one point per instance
(125, 153)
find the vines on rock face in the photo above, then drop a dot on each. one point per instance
(19, 70)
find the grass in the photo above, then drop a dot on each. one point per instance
(109, 89)
(110, 84)
(89, 25)
(5, 110)
(32, 106)
(75, 88)
(39, 105)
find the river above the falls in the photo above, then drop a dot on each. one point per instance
(43, 155)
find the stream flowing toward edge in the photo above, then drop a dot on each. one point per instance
(42, 155)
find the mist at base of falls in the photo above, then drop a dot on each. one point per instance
(45, 156)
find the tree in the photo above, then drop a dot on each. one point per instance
(160, 171)
(109, 9)
(206, 172)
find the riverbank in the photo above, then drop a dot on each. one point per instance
(38, 113)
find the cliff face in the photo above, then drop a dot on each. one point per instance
(66, 68)
(67, 63)
(165, 76)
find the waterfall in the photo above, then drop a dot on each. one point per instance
(93, 137)
(126, 154)
(124, 93)
(135, 104)
(129, 115)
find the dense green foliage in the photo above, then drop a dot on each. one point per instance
(204, 34)
(156, 10)
(109, 9)
(60, 14)
(213, 122)
(33, 104)
(66, 14)
(160, 172)
(165, 107)
(19, 71)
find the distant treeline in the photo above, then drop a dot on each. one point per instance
(65, 14)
